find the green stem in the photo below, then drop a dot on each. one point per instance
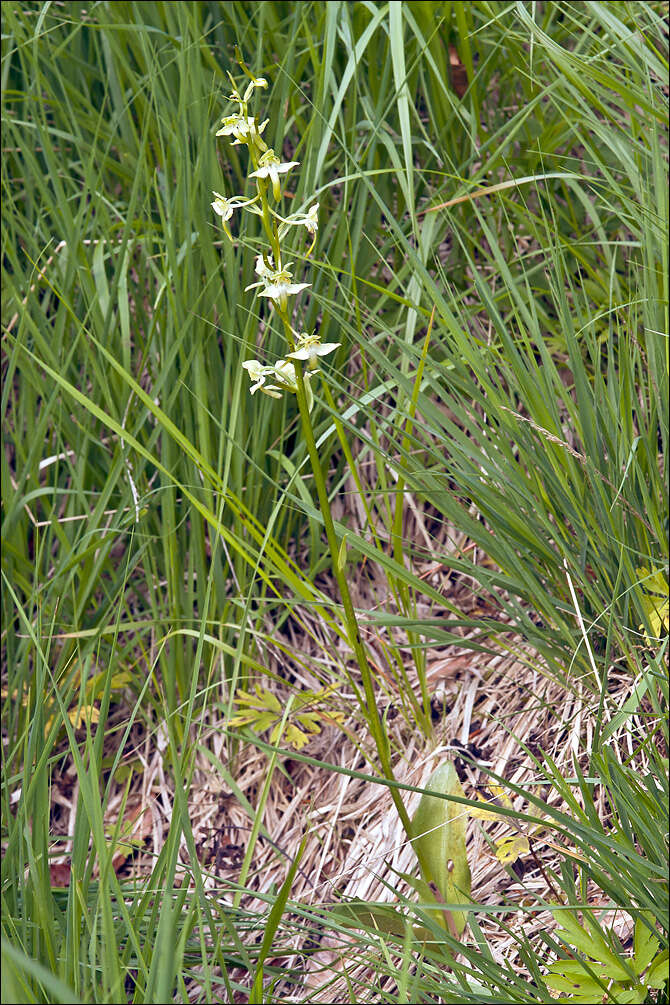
(351, 622)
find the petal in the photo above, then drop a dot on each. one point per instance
(255, 364)
(274, 292)
(261, 267)
(326, 348)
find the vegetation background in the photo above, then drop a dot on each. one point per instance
(492, 257)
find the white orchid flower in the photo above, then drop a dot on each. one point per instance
(255, 82)
(245, 129)
(281, 288)
(277, 284)
(283, 373)
(310, 346)
(269, 166)
(262, 268)
(259, 374)
(311, 220)
(308, 220)
(225, 208)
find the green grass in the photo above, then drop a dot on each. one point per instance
(495, 268)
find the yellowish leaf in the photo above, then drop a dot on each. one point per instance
(87, 713)
(499, 793)
(509, 849)
(296, 737)
(480, 813)
(656, 604)
(263, 710)
(500, 799)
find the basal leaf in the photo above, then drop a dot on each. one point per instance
(439, 826)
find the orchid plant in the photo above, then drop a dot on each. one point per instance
(294, 373)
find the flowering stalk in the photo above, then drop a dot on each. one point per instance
(294, 373)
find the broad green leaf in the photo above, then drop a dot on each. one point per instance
(593, 946)
(659, 972)
(581, 985)
(645, 943)
(439, 828)
(618, 966)
(381, 917)
(569, 976)
(632, 996)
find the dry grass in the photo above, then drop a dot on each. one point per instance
(492, 713)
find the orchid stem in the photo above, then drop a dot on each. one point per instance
(350, 619)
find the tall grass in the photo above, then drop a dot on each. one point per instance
(495, 267)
